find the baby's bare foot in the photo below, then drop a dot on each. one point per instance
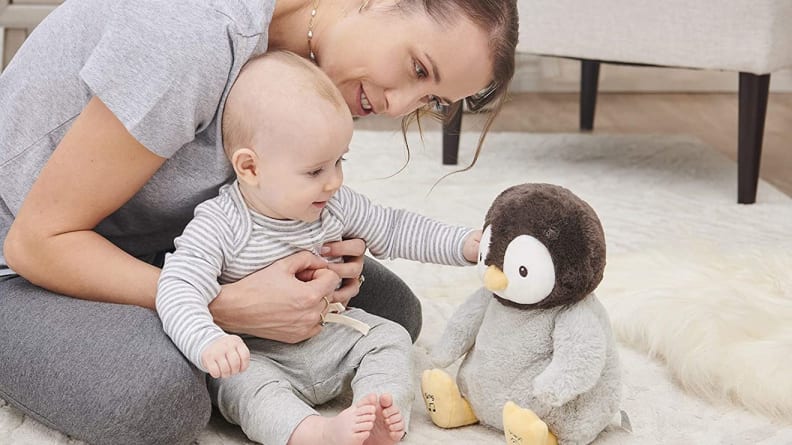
(389, 424)
(351, 426)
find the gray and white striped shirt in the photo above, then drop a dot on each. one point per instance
(227, 241)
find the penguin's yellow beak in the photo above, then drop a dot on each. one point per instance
(494, 279)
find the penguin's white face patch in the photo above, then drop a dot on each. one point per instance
(529, 268)
(484, 246)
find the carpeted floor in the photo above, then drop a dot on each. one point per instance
(697, 286)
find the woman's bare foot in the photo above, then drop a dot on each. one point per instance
(389, 424)
(351, 426)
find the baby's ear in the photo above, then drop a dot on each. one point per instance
(245, 163)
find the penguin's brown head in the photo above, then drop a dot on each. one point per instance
(542, 247)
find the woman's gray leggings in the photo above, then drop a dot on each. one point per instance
(107, 374)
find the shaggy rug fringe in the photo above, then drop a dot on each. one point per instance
(720, 319)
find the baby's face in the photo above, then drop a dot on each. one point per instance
(300, 169)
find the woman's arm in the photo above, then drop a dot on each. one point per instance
(96, 168)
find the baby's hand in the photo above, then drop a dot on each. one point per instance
(226, 356)
(471, 247)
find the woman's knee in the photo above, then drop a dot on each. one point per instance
(170, 404)
(99, 372)
(387, 295)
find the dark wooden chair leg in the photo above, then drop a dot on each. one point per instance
(753, 109)
(589, 82)
(451, 130)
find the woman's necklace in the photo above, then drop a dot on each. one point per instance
(310, 31)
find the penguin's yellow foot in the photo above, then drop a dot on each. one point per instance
(444, 403)
(523, 427)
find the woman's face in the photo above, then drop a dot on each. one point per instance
(390, 62)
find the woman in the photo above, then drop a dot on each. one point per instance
(109, 136)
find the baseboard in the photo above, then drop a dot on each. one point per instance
(552, 74)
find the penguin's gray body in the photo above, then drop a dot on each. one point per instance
(536, 334)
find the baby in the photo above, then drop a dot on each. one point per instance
(286, 141)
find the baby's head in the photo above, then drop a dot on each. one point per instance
(285, 129)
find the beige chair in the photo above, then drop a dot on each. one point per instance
(750, 37)
(17, 20)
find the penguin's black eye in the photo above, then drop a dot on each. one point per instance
(481, 257)
(523, 271)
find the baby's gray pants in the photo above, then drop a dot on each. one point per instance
(284, 381)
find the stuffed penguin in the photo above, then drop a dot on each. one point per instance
(540, 361)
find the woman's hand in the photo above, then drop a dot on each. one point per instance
(284, 301)
(350, 270)
(471, 247)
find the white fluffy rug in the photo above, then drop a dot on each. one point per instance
(697, 286)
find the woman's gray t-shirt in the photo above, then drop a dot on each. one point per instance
(164, 68)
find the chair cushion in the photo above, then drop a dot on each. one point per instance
(736, 35)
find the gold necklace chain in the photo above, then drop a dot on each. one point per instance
(310, 31)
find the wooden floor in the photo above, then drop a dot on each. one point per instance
(712, 118)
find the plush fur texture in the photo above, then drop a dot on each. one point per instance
(721, 319)
(557, 359)
(564, 223)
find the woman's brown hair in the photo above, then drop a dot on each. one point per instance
(499, 19)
